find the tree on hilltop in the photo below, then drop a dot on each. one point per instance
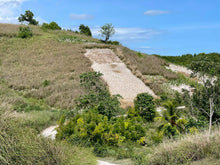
(29, 17)
(107, 31)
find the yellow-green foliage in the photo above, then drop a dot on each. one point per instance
(93, 128)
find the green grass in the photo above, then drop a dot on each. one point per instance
(22, 145)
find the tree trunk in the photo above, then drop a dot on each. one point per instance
(211, 114)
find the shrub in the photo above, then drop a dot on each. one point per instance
(25, 32)
(90, 128)
(113, 42)
(145, 106)
(52, 26)
(98, 96)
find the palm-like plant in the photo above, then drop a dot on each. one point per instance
(172, 124)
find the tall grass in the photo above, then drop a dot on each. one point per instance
(27, 64)
(189, 148)
(21, 145)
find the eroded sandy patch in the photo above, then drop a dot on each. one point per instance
(116, 74)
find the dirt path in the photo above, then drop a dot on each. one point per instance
(118, 77)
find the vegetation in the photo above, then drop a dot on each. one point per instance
(107, 31)
(185, 60)
(85, 30)
(145, 106)
(47, 78)
(51, 26)
(25, 32)
(98, 96)
(21, 145)
(28, 17)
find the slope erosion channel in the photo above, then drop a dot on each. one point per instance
(119, 78)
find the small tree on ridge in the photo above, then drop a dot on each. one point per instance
(107, 31)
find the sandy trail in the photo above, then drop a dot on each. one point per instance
(116, 74)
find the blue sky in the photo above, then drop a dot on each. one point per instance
(165, 27)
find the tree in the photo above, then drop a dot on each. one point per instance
(206, 98)
(98, 96)
(172, 124)
(85, 30)
(107, 31)
(145, 106)
(29, 17)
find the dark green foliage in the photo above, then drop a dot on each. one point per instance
(25, 32)
(186, 60)
(112, 42)
(46, 83)
(85, 30)
(98, 96)
(29, 17)
(145, 106)
(51, 26)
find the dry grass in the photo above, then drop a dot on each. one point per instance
(142, 65)
(190, 148)
(148, 64)
(27, 63)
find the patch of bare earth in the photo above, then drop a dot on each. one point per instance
(118, 77)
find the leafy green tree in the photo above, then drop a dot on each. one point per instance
(98, 96)
(85, 30)
(29, 17)
(206, 99)
(107, 31)
(172, 124)
(145, 106)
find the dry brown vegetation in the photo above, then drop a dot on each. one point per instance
(26, 64)
(146, 65)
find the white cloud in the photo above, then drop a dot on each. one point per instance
(155, 12)
(130, 34)
(9, 9)
(74, 16)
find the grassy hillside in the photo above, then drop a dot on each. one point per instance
(39, 81)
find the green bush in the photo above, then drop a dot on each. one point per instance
(91, 128)
(112, 42)
(25, 32)
(98, 96)
(145, 106)
(51, 26)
